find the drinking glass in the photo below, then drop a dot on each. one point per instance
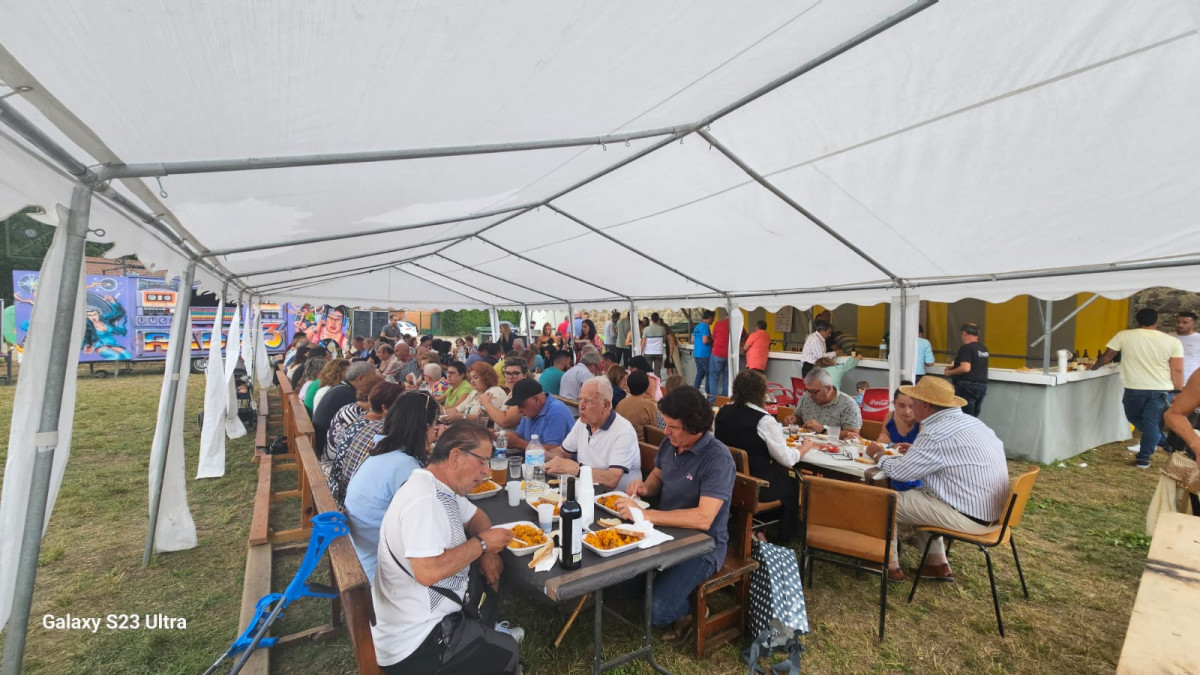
(514, 467)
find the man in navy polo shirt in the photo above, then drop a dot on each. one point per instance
(541, 414)
(693, 476)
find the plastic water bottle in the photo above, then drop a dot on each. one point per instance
(535, 454)
(883, 350)
(501, 442)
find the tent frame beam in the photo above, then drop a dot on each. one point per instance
(414, 263)
(276, 286)
(552, 269)
(773, 189)
(406, 247)
(497, 278)
(631, 249)
(160, 169)
(47, 440)
(447, 288)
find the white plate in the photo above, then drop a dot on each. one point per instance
(525, 550)
(640, 503)
(555, 519)
(487, 493)
(612, 551)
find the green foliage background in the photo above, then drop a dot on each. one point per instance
(464, 321)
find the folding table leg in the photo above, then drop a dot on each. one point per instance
(646, 636)
(598, 632)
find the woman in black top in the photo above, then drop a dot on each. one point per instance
(745, 424)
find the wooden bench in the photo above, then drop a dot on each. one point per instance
(1159, 638)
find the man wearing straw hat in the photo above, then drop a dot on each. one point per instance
(961, 464)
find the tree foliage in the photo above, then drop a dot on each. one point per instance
(464, 321)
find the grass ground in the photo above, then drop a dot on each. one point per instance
(1082, 545)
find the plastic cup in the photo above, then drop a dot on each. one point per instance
(546, 516)
(514, 492)
(833, 432)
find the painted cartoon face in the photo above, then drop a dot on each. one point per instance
(93, 314)
(333, 321)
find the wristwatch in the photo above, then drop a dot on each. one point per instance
(482, 544)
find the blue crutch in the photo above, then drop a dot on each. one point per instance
(325, 528)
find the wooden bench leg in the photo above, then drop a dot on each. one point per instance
(700, 616)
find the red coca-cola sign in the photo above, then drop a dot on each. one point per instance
(876, 404)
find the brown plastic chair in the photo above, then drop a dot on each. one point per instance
(654, 436)
(719, 401)
(1017, 499)
(649, 452)
(741, 464)
(870, 430)
(848, 519)
(729, 625)
(783, 412)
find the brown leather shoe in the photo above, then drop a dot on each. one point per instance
(937, 572)
(679, 630)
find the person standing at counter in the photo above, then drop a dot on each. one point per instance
(1151, 368)
(969, 372)
(814, 346)
(924, 353)
(702, 342)
(1185, 330)
(758, 344)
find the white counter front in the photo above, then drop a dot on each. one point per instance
(1043, 418)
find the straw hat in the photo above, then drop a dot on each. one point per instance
(934, 391)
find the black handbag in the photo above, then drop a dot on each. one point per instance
(278, 446)
(471, 644)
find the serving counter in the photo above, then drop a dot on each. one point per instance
(1043, 418)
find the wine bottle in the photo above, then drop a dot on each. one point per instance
(571, 524)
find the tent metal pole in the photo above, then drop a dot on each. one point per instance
(158, 169)
(474, 288)
(556, 270)
(290, 284)
(525, 319)
(618, 242)
(468, 297)
(1047, 317)
(46, 441)
(293, 268)
(773, 189)
(510, 283)
(1066, 318)
(515, 210)
(166, 414)
(1190, 261)
(731, 365)
(635, 331)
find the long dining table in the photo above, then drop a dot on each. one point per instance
(596, 574)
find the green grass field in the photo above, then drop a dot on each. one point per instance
(1082, 546)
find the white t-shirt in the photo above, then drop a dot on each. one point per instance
(613, 445)
(425, 519)
(1191, 354)
(610, 334)
(1145, 358)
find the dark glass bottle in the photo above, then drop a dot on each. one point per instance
(571, 523)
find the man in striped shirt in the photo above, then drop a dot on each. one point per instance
(814, 346)
(961, 463)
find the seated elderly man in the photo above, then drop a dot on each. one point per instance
(961, 464)
(430, 537)
(601, 439)
(573, 379)
(693, 477)
(825, 406)
(541, 414)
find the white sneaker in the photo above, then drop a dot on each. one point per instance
(1133, 448)
(517, 633)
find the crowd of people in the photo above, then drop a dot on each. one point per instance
(405, 430)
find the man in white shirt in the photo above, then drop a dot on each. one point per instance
(573, 379)
(610, 332)
(1151, 368)
(601, 439)
(654, 343)
(1185, 330)
(430, 536)
(814, 346)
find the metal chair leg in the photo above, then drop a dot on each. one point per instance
(995, 596)
(883, 584)
(920, 566)
(1017, 559)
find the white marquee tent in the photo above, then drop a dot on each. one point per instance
(452, 154)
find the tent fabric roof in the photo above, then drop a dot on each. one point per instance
(967, 151)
